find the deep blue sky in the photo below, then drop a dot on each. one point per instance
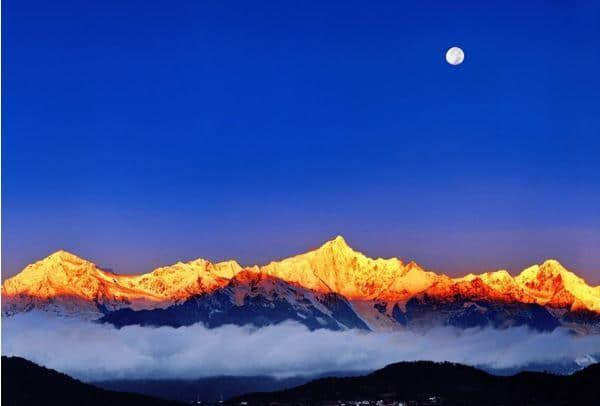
(139, 133)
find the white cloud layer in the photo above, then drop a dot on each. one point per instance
(92, 351)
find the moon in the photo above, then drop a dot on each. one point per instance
(455, 56)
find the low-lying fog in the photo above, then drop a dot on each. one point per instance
(91, 351)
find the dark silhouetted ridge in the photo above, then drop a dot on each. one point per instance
(25, 383)
(443, 383)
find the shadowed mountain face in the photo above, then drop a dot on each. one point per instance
(262, 308)
(25, 383)
(331, 287)
(450, 384)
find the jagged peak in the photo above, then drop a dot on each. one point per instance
(551, 276)
(230, 262)
(467, 278)
(334, 249)
(501, 274)
(554, 265)
(338, 243)
(552, 262)
(58, 261)
(198, 268)
(63, 255)
(338, 247)
(548, 268)
(340, 240)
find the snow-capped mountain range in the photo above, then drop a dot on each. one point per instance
(332, 287)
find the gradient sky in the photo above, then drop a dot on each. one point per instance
(140, 133)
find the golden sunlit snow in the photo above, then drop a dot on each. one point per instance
(334, 267)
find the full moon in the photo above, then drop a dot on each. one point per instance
(455, 56)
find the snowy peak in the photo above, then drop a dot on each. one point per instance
(61, 273)
(181, 280)
(63, 256)
(335, 267)
(549, 270)
(545, 279)
(61, 282)
(550, 283)
(337, 248)
(72, 280)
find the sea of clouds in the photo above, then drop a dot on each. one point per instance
(91, 351)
